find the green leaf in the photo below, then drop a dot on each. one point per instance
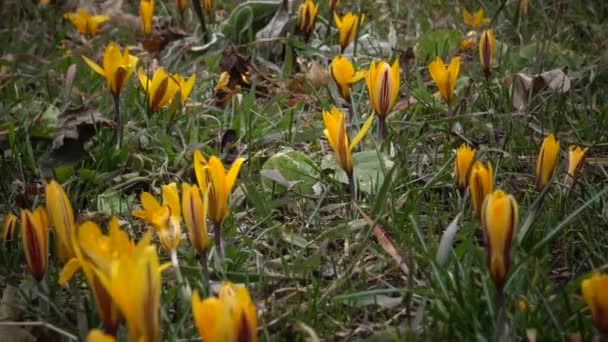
(295, 167)
(369, 169)
(437, 43)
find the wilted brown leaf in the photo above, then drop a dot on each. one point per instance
(526, 86)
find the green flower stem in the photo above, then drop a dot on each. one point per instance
(81, 319)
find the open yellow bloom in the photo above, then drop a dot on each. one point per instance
(576, 159)
(344, 74)
(383, 86)
(499, 218)
(117, 67)
(95, 253)
(161, 88)
(486, 50)
(185, 86)
(307, 16)
(475, 20)
(595, 292)
(9, 227)
(445, 76)
(35, 239)
(481, 183)
(347, 28)
(462, 165)
(166, 218)
(195, 216)
(211, 176)
(208, 6)
(135, 286)
(547, 160)
(84, 22)
(335, 131)
(230, 317)
(146, 14)
(61, 219)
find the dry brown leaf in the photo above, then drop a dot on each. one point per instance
(267, 39)
(386, 242)
(526, 86)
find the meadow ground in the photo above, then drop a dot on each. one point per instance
(403, 257)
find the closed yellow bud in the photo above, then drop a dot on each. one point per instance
(481, 183)
(61, 219)
(333, 5)
(9, 227)
(595, 292)
(499, 218)
(348, 26)
(97, 335)
(383, 86)
(547, 160)
(208, 6)
(182, 5)
(462, 165)
(146, 14)
(445, 76)
(195, 216)
(486, 50)
(34, 235)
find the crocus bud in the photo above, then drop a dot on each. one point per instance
(61, 219)
(481, 183)
(348, 26)
(208, 6)
(34, 234)
(462, 165)
(195, 216)
(486, 51)
(383, 86)
(547, 159)
(576, 159)
(10, 225)
(499, 218)
(333, 5)
(146, 14)
(307, 16)
(595, 292)
(181, 5)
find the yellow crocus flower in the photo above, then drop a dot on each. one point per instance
(135, 286)
(160, 89)
(475, 20)
(595, 292)
(347, 28)
(195, 216)
(146, 14)
(117, 67)
(182, 5)
(344, 74)
(95, 253)
(499, 218)
(486, 50)
(462, 165)
(97, 335)
(35, 237)
(230, 317)
(211, 175)
(84, 22)
(445, 77)
(481, 183)
(468, 41)
(208, 6)
(307, 16)
(576, 159)
(335, 131)
(547, 160)
(166, 218)
(383, 86)
(9, 227)
(185, 86)
(61, 219)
